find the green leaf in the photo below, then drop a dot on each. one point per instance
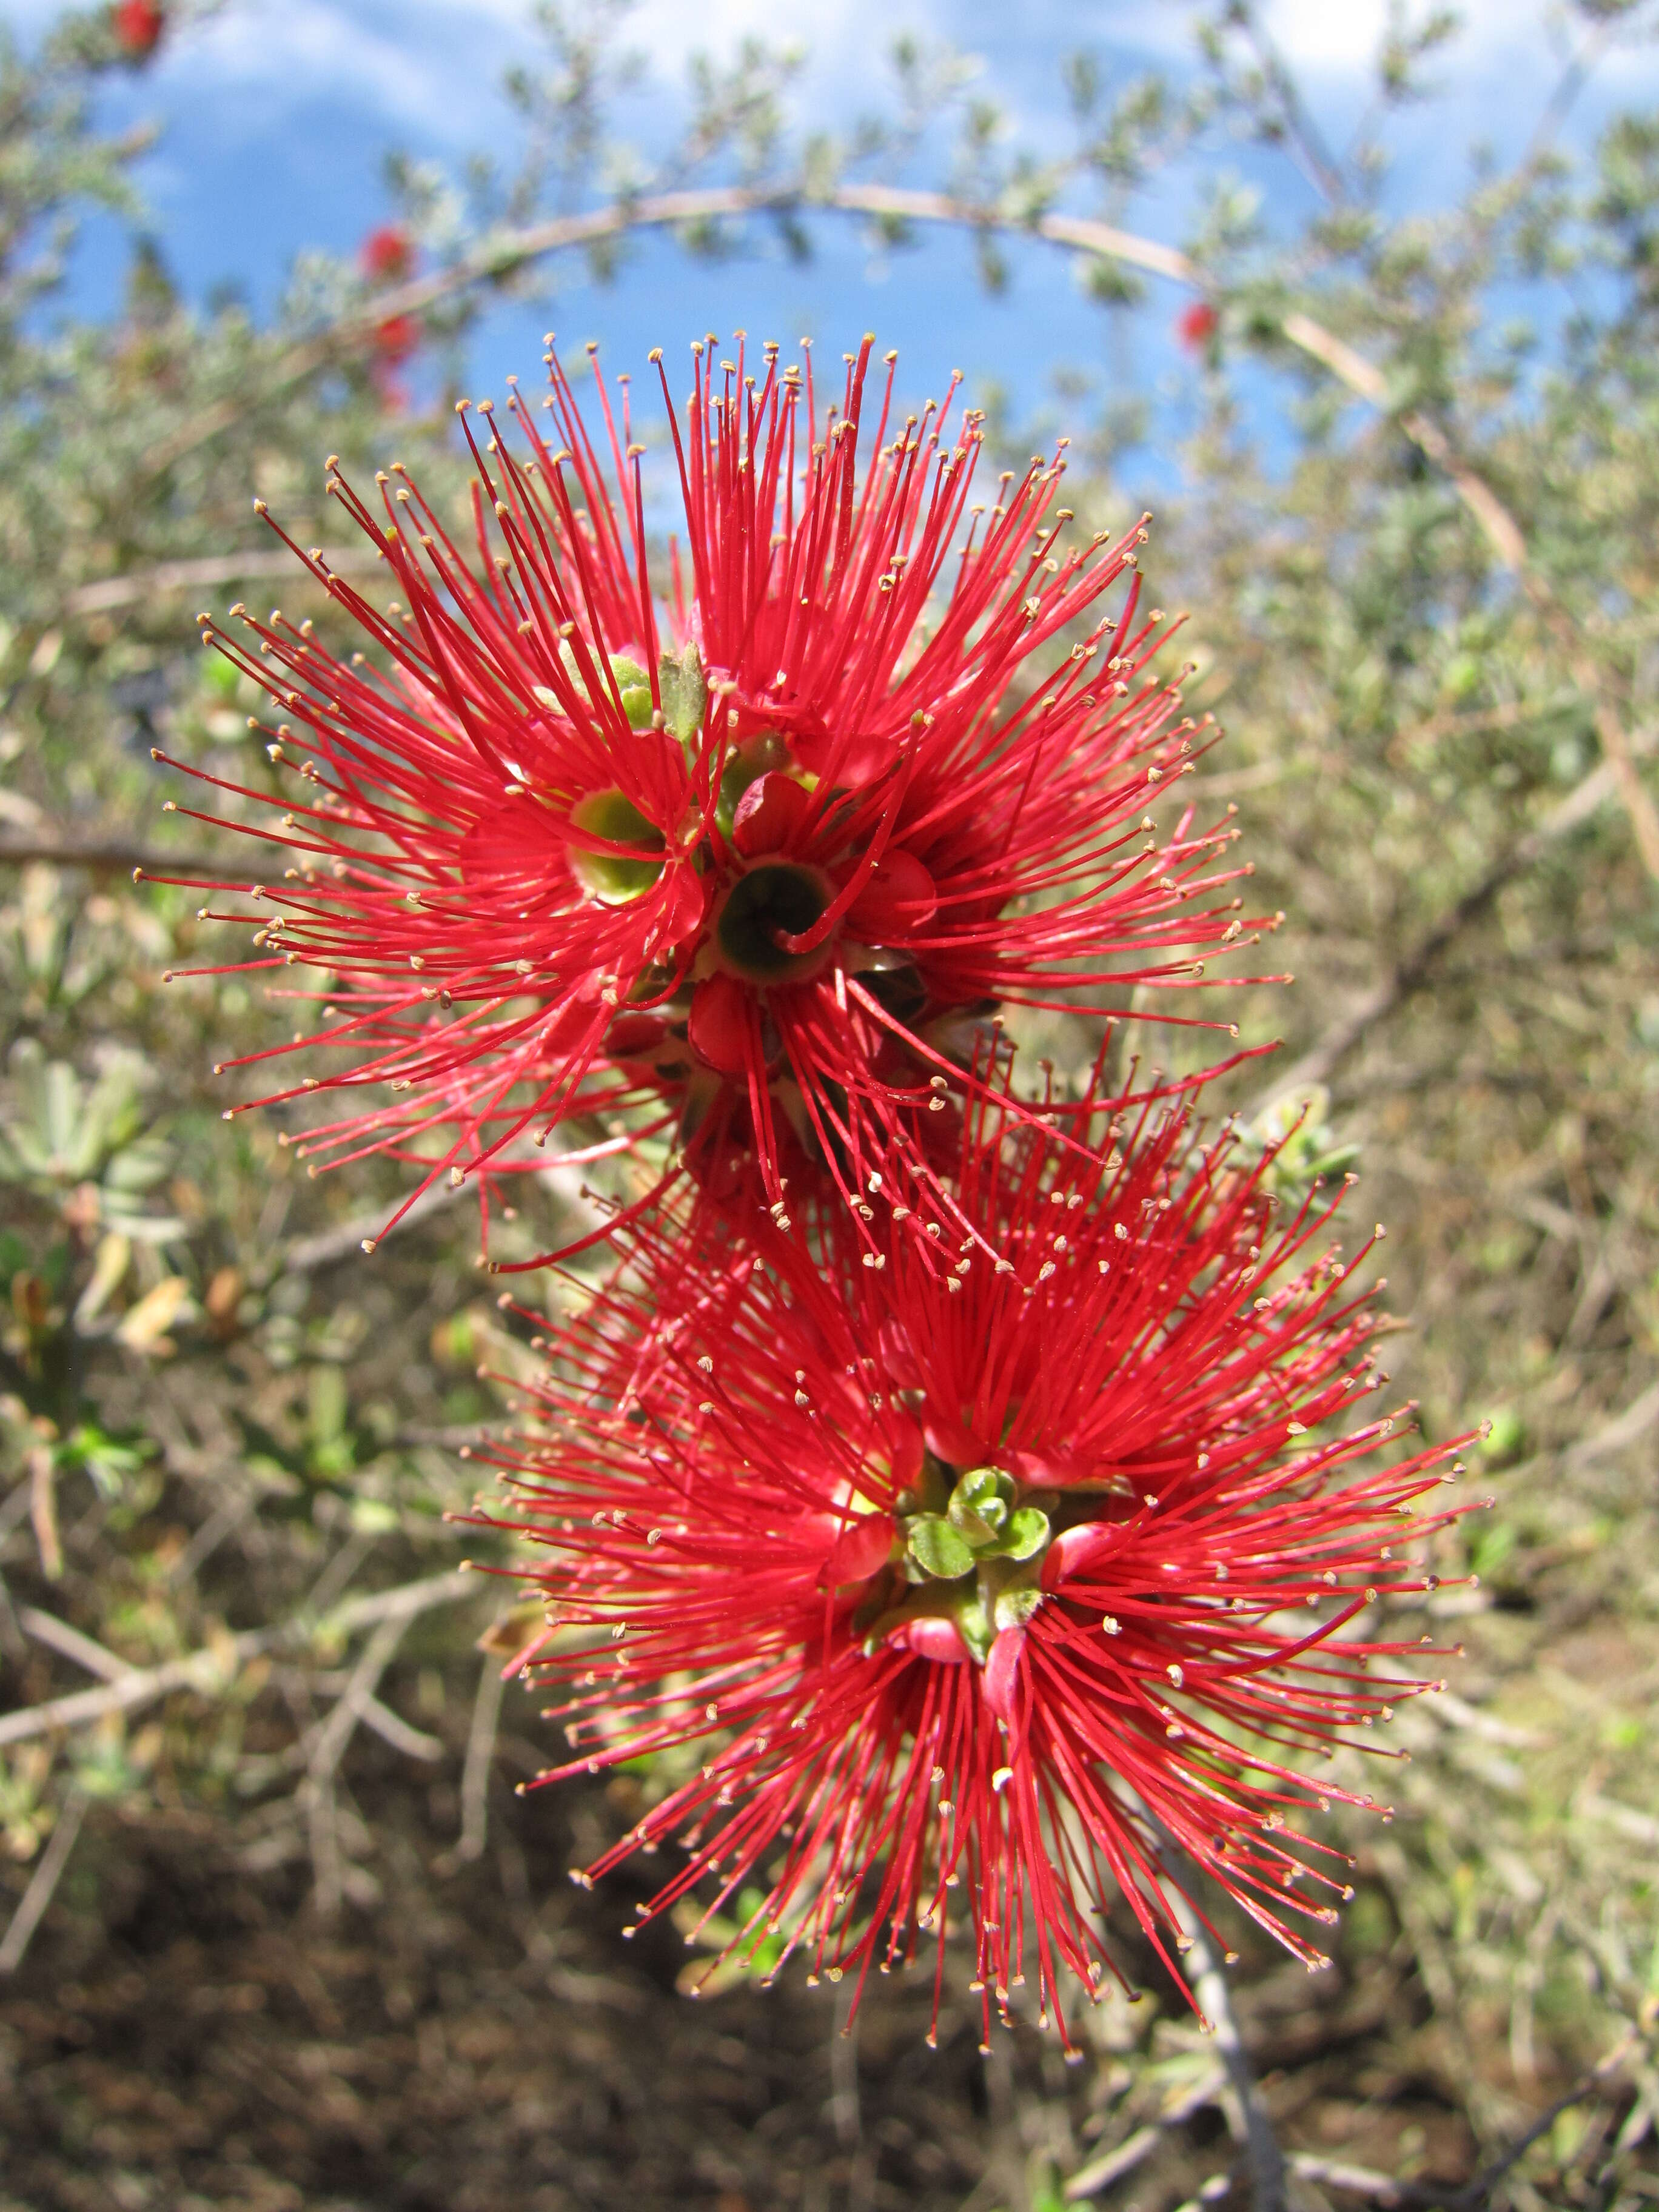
(980, 1503)
(1027, 1535)
(978, 1532)
(941, 1549)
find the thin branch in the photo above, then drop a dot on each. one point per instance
(43, 1511)
(1632, 792)
(1313, 158)
(1475, 2194)
(1627, 1428)
(74, 852)
(47, 1628)
(317, 1790)
(211, 1669)
(1640, 1827)
(346, 1711)
(511, 251)
(1214, 1999)
(44, 1881)
(1320, 1061)
(1112, 2166)
(16, 1508)
(138, 585)
(480, 1759)
(1355, 2180)
(309, 1254)
(392, 1727)
(407, 1600)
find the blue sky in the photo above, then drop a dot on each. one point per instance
(275, 118)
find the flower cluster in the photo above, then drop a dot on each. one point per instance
(753, 861)
(959, 1500)
(969, 1579)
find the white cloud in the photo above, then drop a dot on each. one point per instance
(1502, 46)
(290, 51)
(435, 66)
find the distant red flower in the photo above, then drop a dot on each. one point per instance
(1195, 325)
(966, 1578)
(387, 254)
(396, 339)
(137, 25)
(763, 880)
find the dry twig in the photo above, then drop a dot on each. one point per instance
(1112, 2166)
(317, 1790)
(47, 1628)
(209, 1669)
(43, 1882)
(480, 1757)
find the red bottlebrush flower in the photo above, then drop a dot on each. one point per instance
(969, 1579)
(757, 858)
(137, 25)
(387, 254)
(396, 339)
(1195, 325)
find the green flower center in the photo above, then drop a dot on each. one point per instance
(973, 1553)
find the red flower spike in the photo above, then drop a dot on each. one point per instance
(137, 25)
(1197, 325)
(396, 339)
(830, 775)
(387, 254)
(985, 1690)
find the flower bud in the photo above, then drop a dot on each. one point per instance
(900, 896)
(1002, 1672)
(861, 1549)
(931, 1638)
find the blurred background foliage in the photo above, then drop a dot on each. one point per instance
(276, 1931)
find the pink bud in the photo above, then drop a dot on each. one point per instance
(1074, 1549)
(1042, 1470)
(933, 1639)
(718, 1024)
(860, 1549)
(767, 814)
(1002, 1672)
(949, 1441)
